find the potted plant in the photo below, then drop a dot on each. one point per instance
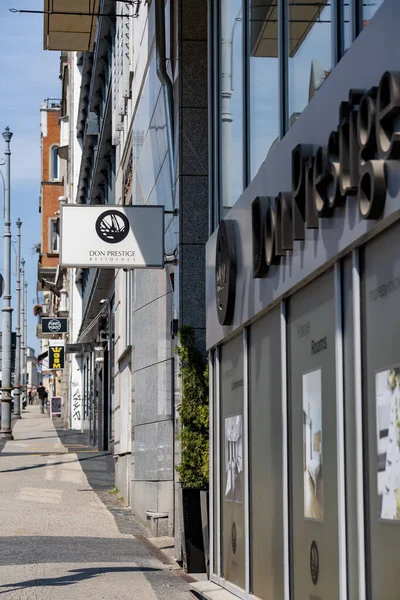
(193, 470)
(37, 310)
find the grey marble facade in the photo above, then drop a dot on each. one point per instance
(156, 383)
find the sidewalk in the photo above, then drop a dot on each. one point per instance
(57, 537)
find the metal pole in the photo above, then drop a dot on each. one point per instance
(22, 351)
(6, 398)
(17, 381)
(25, 355)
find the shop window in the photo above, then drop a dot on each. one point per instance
(232, 463)
(263, 63)
(310, 51)
(54, 163)
(380, 290)
(265, 460)
(53, 236)
(313, 444)
(231, 101)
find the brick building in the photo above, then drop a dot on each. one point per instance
(51, 188)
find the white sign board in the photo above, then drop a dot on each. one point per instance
(112, 236)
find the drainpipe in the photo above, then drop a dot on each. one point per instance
(162, 73)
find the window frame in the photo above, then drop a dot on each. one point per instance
(214, 28)
(50, 250)
(52, 151)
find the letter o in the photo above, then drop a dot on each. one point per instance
(271, 257)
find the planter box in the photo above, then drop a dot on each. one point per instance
(192, 531)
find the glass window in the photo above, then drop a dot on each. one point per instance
(54, 162)
(312, 389)
(310, 51)
(381, 370)
(53, 236)
(369, 9)
(231, 101)
(232, 463)
(266, 533)
(347, 8)
(264, 80)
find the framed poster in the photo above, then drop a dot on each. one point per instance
(387, 397)
(312, 446)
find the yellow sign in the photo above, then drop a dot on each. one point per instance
(56, 357)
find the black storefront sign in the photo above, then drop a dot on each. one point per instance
(54, 325)
(56, 357)
(351, 165)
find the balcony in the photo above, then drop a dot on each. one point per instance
(70, 25)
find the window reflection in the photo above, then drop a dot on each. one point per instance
(310, 56)
(348, 22)
(264, 80)
(231, 98)
(369, 9)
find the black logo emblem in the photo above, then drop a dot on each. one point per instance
(314, 563)
(234, 538)
(225, 272)
(112, 226)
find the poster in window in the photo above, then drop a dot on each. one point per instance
(387, 394)
(234, 458)
(312, 446)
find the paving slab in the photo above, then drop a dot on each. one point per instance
(58, 539)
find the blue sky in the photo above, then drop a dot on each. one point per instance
(28, 75)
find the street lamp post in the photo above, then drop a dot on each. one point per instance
(6, 398)
(22, 350)
(25, 326)
(17, 382)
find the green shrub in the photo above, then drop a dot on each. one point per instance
(193, 412)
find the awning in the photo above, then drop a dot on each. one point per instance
(85, 334)
(42, 356)
(70, 24)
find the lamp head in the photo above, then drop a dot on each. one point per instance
(7, 134)
(18, 223)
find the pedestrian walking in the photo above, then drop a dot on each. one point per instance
(42, 393)
(30, 398)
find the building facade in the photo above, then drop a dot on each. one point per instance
(302, 284)
(138, 119)
(49, 275)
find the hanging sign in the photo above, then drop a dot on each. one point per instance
(112, 236)
(54, 325)
(56, 355)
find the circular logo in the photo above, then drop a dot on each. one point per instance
(314, 563)
(225, 272)
(234, 538)
(112, 226)
(54, 325)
